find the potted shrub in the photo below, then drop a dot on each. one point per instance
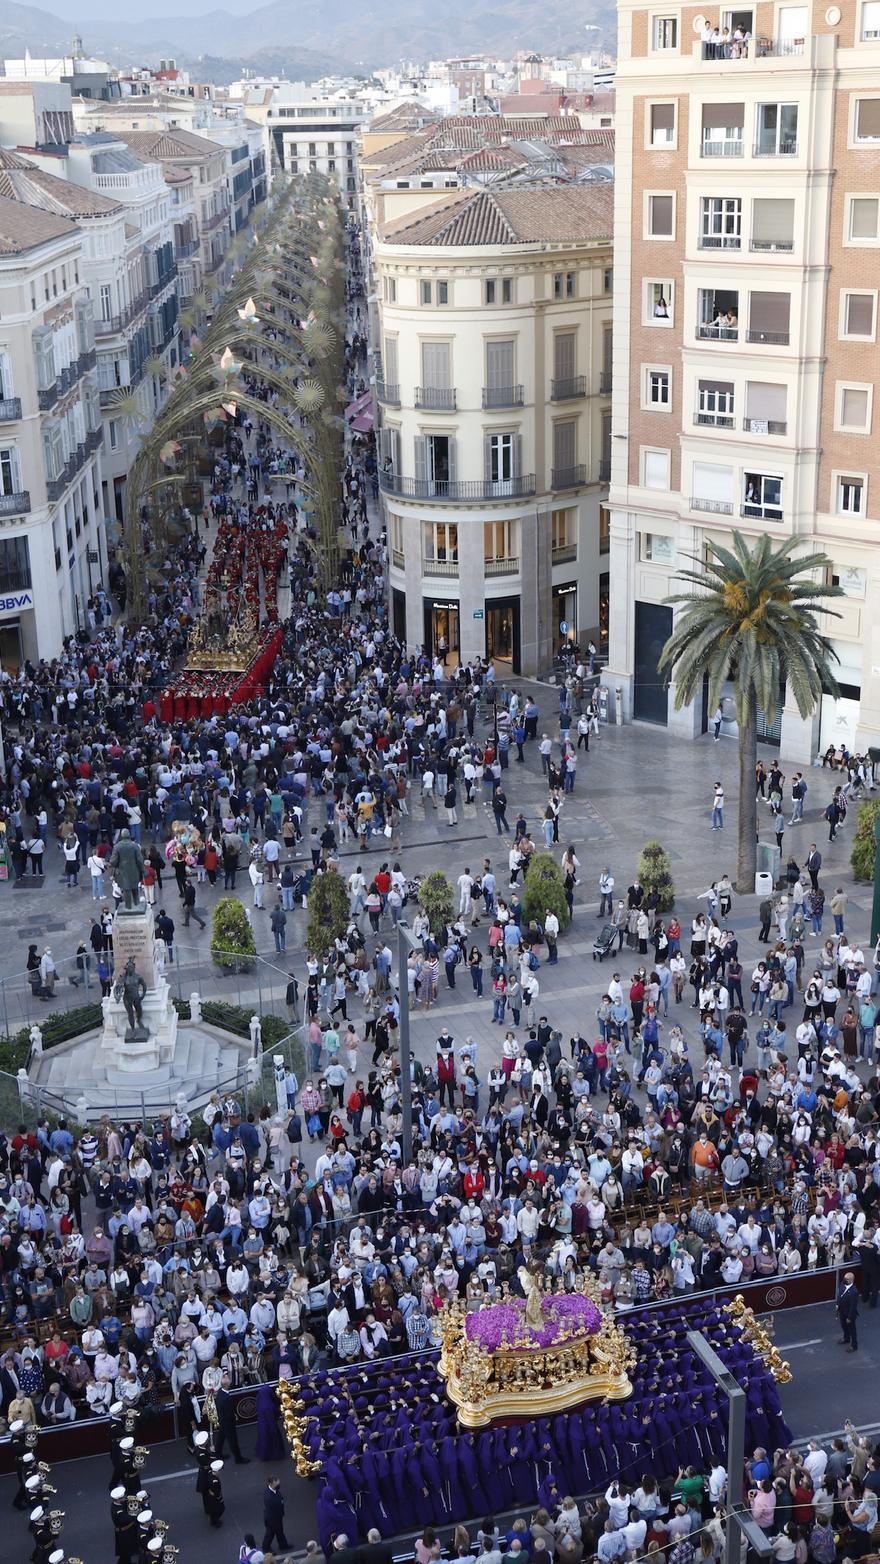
(543, 892)
(232, 938)
(437, 901)
(655, 869)
(329, 913)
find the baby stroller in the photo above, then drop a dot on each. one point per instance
(603, 943)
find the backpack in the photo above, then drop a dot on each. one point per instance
(294, 1129)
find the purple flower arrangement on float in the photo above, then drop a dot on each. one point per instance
(503, 1324)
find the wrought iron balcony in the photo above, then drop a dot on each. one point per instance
(10, 409)
(502, 396)
(568, 477)
(565, 390)
(15, 504)
(457, 491)
(437, 399)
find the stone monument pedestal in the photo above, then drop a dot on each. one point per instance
(149, 1046)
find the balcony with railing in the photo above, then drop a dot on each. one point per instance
(94, 439)
(739, 52)
(17, 504)
(713, 507)
(715, 420)
(714, 331)
(568, 477)
(781, 148)
(460, 491)
(116, 323)
(436, 399)
(565, 390)
(185, 249)
(439, 567)
(771, 246)
(162, 282)
(772, 339)
(210, 223)
(214, 264)
(710, 241)
(502, 396)
(47, 396)
(10, 409)
(765, 426)
(564, 554)
(727, 146)
(508, 566)
(388, 393)
(86, 361)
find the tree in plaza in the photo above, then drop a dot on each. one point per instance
(329, 912)
(864, 847)
(544, 891)
(437, 901)
(752, 619)
(655, 869)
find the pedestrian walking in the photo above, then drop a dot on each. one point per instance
(273, 1515)
(189, 906)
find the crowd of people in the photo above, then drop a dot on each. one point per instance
(184, 1259)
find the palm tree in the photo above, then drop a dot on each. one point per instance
(752, 619)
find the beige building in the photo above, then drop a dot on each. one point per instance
(52, 544)
(747, 242)
(493, 381)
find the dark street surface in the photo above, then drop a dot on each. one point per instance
(829, 1386)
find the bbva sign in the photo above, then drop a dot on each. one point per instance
(14, 602)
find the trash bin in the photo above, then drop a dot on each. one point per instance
(763, 884)
(768, 860)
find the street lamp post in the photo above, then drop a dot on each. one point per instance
(406, 942)
(739, 1526)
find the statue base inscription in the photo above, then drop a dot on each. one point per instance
(140, 1021)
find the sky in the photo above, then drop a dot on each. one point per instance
(79, 12)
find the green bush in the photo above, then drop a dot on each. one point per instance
(655, 869)
(232, 938)
(437, 901)
(864, 847)
(329, 911)
(544, 891)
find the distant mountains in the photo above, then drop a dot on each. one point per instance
(308, 38)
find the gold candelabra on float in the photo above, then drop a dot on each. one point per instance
(523, 1377)
(759, 1339)
(294, 1428)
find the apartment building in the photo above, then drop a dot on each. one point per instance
(182, 152)
(493, 342)
(747, 242)
(52, 543)
(314, 131)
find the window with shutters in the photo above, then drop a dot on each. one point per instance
(564, 355)
(6, 383)
(722, 128)
(870, 21)
(564, 285)
(716, 403)
(712, 488)
(773, 224)
(866, 126)
(863, 219)
(437, 365)
(766, 408)
(564, 444)
(10, 470)
(500, 376)
(604, 529)
(106, 301)
(853, 408)
(659, 215)
(655, 468)
(390, 373)
(660, 125)
(858, 312)
(395, 531)
(389, 290)
(851, 493)
(770, 318)
(44, 354)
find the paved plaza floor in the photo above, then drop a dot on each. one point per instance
(637, 784)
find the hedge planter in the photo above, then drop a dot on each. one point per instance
(232, 938)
